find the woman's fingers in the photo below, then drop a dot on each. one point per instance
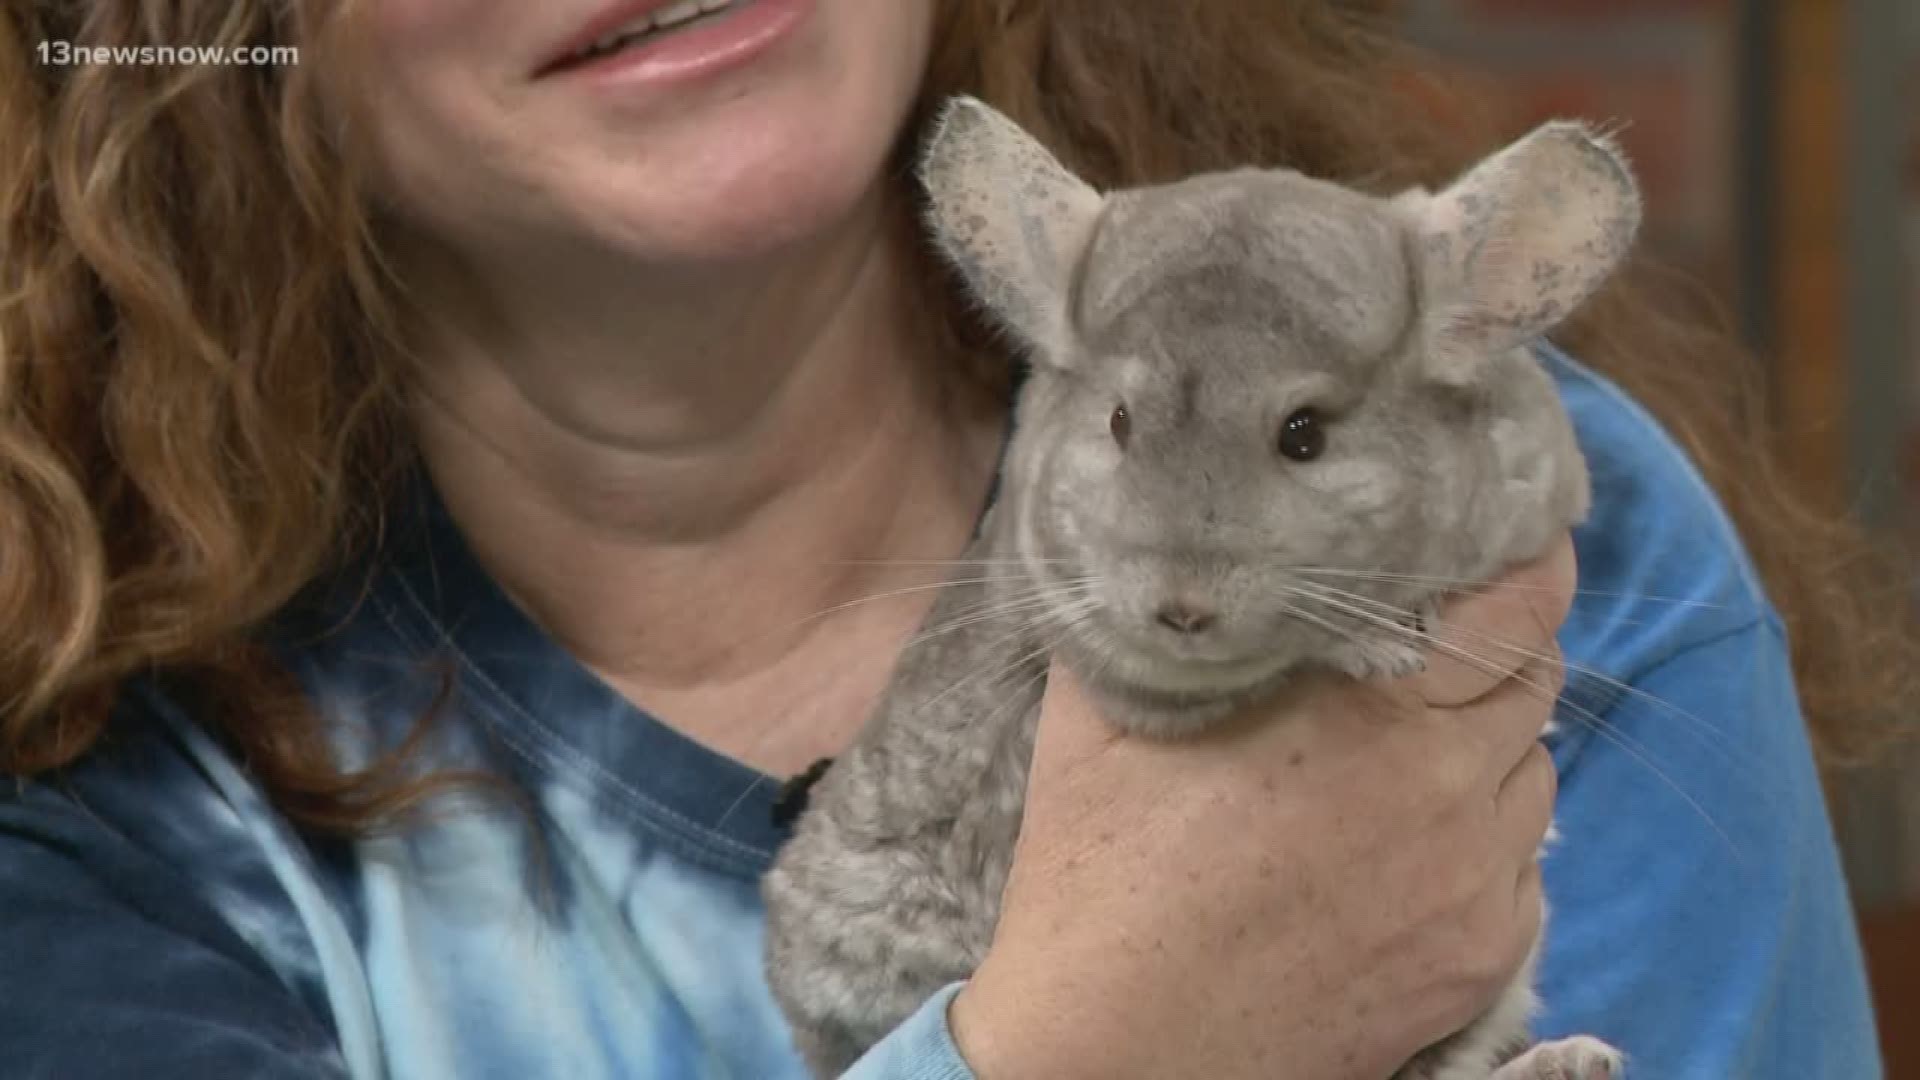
(1483, 636)
(1524, 804)
(1303, 889)
(1529, 908)
(1509, 719)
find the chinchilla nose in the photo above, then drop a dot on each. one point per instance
(1185, 616)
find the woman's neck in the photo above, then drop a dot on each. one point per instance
(681, 519)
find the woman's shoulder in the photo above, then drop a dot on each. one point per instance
(1700, 917)
(141, 892)
(1662, 567)
(1671, 636)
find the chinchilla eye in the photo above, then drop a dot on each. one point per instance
(1304, 435)
(1121, 425)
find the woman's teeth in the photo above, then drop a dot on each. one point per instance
(670, 17)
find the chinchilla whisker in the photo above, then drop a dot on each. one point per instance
(1076, 618)
(1639, 752)
(1033, 615)
(1709, 734)
(1028, 589)
(891, 594)
(1075, 611)
(1014, 695)
(1462, 586)
(1598, 724)
(1016, 562)
(1345, 633)
(1031, 589)
(1032, 620)
(739, 801)
(996, 607)
(989, 674)
(992, 674)
(1035, 607)
(1101, 645)
(1470, 585)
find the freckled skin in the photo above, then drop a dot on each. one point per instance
(1211, 309)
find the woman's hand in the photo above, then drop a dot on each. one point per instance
(1319, 889)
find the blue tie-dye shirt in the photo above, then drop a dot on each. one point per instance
(159, 920)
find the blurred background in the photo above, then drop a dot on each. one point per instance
(1779, 142)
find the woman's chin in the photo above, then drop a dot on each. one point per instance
(736, 216)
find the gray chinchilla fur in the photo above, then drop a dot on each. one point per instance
(1243, 385)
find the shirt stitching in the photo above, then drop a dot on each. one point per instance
(556, 747)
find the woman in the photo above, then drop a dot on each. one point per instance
(424, 471)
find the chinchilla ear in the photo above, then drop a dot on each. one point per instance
(1014, 221)
(1511, 248)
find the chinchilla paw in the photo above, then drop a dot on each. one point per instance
(1391, 660)
(1578, 1058)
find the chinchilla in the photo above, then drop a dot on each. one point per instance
(1267, 417)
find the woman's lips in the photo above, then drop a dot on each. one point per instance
(718, 42)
